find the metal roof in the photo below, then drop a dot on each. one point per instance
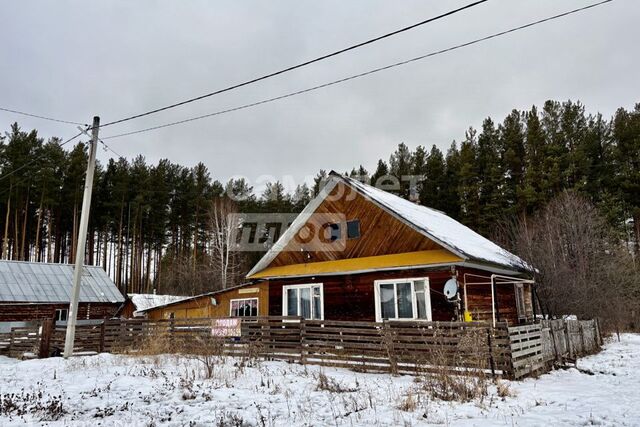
(36, 282)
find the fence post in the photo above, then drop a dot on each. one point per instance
(512, 370)
(552, 334)
(491, 361)
(102, 330)
(598, 337)
(45, 338)
(389, 344)
(584, 345)
(303, 332)
(565, 324)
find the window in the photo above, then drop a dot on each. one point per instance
(402, 299)
(62, 314)
(519, 294)
(353, 229)
(334, 232)
(303, 300)
(244, 307)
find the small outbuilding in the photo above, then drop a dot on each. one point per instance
(34, 291)
(247, 300)
(137, 304)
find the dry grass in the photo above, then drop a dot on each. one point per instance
(327, 383)
(442, 376)
(504, 390)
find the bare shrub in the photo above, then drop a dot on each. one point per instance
(458, 373)
(409, 402)
(327, 383)
(230, 419)
(504, 390)
(582, 268)
(43, 406)
(208, 352)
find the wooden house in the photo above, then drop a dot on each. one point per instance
(383, 257)
(248, 300)
(35, 291)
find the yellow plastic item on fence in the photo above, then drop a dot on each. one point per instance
(467, 316)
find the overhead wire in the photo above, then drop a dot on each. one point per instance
(23, 113)
(363, 74)
(104, 144)
(297, 66)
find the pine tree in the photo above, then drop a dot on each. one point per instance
(556, 159)
(468, 183)
(626, 136)
(534, 185)
(490, 177)
(319, 182)
(301, 197)
(573, 126)
(381, 174)
(513, 159)
(400, 166)
(450, 195)
(432, 191)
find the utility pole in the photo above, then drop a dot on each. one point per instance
(82, 240)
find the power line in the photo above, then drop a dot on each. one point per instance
(294, 67)
(109, 148)
(51, 119)
(366, 73)
(32, 161)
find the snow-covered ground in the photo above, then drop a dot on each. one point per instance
(167, 390)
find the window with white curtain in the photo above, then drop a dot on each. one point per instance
(303, 300)
(402, 299)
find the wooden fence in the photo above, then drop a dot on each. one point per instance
(22, 342)
(397, 347)
(566, 340)
(538, 347)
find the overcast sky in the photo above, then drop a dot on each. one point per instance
(77, 59)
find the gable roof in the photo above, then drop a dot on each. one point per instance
(433, 224)
(37, 282)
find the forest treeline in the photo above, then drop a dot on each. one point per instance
(150, 224)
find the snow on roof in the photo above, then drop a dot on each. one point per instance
(147, 301)
(433, 224)
(439, 227)
(38, 282)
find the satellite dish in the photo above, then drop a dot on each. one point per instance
(451, 289)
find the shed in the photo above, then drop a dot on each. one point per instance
(137, 304)
(33, 291)
(245, 300)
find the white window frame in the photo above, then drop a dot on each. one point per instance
(414, 300)
(244, 299)
(60, 311)
(285, 306)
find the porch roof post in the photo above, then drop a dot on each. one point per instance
(493, 300)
